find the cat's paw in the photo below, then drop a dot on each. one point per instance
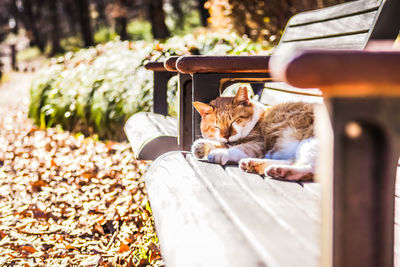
(223, 155)
(201, 148)
(290, 172)
(253, 165)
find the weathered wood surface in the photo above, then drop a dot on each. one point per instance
(207, 215)
(278, 92)
(156, 131)
(356, 24)
(361, 72)
(334, 12)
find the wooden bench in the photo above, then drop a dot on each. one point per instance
(209, 215)
(349, 26)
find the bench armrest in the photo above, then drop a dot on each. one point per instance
(155, 66)
(223, 64)
(170, 63)
(342, 72)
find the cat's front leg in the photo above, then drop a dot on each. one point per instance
(225, 155)
(202, 147)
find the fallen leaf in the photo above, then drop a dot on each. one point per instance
(37, 185)
(26, 249)
(98, 228)
(123, 248)
(69, 247)
(2, 235)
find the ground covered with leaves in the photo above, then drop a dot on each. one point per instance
(66, 199)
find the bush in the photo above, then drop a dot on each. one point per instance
(95, 90)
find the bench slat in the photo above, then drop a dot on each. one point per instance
(338, 27)
(193, 229)
(252, 220)
(290, 216)
(293, 192)
(275, 93)
(150, 128)
(334, 12)
(355, 41)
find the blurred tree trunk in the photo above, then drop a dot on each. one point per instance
(14, 15)
(71, 14)
(121, 19)
(84, 21)
(55, 30)
(176, 5)
(101, 10)
(121, 24)
(157, 18)
(204, 14)
(29, 19)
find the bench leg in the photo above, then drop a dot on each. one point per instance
(160, 104)
(185, 111)
(366, 152)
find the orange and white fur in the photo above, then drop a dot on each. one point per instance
(276, 141)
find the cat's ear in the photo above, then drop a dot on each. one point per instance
(202, 108)
(242, 97)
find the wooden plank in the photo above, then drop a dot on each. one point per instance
(166, 124)
(143, 127)
(289, 215)
(397, 245)
(397, 186)
(273, 244)
(192, 228)
(334, 12)
(314, 188)
(356, 41)
(338, 27)
(272, 95)
(308, 203)
(397, 210)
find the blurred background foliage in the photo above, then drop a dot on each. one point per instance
(95, 76)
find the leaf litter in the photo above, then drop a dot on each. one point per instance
(68, 200)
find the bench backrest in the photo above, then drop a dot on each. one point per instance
(346, 26)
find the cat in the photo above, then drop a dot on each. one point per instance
(276, 141)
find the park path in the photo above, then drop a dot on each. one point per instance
(66, 199)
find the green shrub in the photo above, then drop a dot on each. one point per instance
(95, 90)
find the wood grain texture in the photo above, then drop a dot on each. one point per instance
(156, 66)
(359, 23)
(334, 12)
(170, 63)
(368, 72)
(252, 220)
(222, 64)
(355, 42)
(288, 214)
(143, 127)
(275, 94)
(194, 230)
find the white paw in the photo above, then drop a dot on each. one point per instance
(223, 156)
(201, 148)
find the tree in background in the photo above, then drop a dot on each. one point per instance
(156, 16)
(84, 21)
(55, 33)
(204, 14)
(260, 19)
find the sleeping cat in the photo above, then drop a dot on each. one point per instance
(276, 141)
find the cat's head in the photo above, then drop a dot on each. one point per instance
(229, 119)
